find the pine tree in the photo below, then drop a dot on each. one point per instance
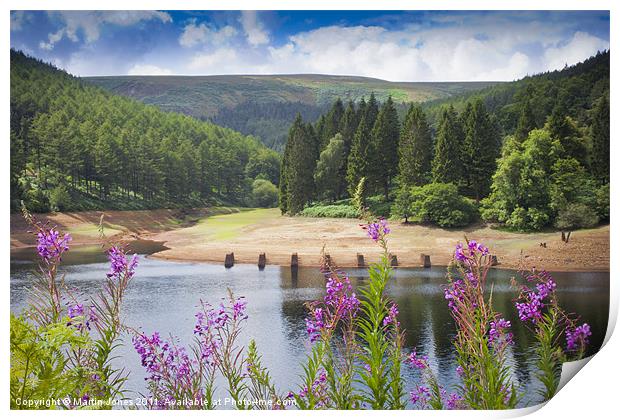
(357, 165)
(326, 175)
(349, 126)
(415, 148)
(600, 140)
(527, 121)
(301, 163)
(384, 148)
(447, 166)
(371, 110)
(333, 123)
(565, 130)
(481, 149)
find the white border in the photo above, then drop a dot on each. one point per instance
(591, 394)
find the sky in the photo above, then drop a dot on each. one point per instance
(390, 45)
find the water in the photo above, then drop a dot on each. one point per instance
(164, 297)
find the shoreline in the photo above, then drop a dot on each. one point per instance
(208, 237)
(81, 247)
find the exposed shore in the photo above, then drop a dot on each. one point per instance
(203, 238)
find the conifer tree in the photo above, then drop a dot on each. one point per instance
(481, 149)
(415, 148)
(333, 122)
(300, 164)
(357, 165)
(447, 164)
(526, 123)
(349, 126)
(371, 110)
(384, 148)
(326, 175)
(600, 140)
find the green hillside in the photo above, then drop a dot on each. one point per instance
(265, 106)
(572, 90)
(76, 147)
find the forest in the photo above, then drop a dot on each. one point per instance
(525, 155)
(77, 147)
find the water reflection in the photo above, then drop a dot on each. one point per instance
(165, 295)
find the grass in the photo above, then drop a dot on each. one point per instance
(229, 226)
(91, 230)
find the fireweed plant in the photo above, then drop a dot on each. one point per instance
(62, 348)
(538, 308)
(182, 379)
(482, 333)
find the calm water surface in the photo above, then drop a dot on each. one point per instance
(164, 297)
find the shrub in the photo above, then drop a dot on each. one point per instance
(576, 216)
(60, 199)
(36, 201)
(602, 202)
(437, 203)
(264, 193)
(334, 210)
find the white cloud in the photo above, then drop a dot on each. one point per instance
(254, 30)
(53, 38)
(221, 61)
(18, 19)
(90, 22)
(581, 46)
(201, 34)
(148, 70)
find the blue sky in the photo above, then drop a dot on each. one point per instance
(391, 45)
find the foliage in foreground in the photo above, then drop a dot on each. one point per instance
(356, 361)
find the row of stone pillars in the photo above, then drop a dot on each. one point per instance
(425, 260)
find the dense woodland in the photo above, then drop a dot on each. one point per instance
(527, 155)
(75, 146)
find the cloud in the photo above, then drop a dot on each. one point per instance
(582, 45)
(148, 70)
(221, 61)
(90, 23)
(18, 19)
(201, 34)
(53, 38)
(254, 30)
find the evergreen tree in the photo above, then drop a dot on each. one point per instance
(527, 121)
(300, 164)
(357, 165)
(447, 166)
(600, 140)
(565, 130)
(333, 123)
(415, 148)
(349, 127)
(481, 149)
(371, 110)
(384, 148)
(326, 175)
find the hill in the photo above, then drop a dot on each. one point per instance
(572, 91)
(78, 147)
(265, 106)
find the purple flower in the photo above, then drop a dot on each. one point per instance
(391, 316)
(377, 230)
(239, 308)
(454, 401)
(460, 371)
(420, 396)
(578, 338)
(77, 310)
(120, 265)
(417, 362)
(498, 332)
(50, 246)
